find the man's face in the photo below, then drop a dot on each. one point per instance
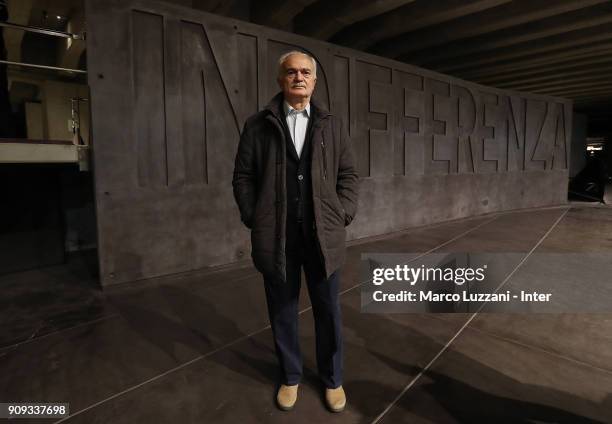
(297, 79)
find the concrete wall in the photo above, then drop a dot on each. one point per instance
(579, 141)
(172, 87)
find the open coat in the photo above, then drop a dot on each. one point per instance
(260, 188)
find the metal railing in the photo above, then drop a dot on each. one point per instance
(51, 68)
(44, 31)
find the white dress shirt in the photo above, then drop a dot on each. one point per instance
(297, 121)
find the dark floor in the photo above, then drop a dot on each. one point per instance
(196, 348)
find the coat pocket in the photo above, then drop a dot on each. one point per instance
(335, 215)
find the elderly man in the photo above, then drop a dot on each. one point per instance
(296, 186)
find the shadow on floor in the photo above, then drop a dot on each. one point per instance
(186, 319)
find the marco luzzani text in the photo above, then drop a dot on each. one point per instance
(458, 276)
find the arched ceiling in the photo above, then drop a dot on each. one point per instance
(560, 47)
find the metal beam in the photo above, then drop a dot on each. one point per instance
(218, 7)
(278, 13)
(546, 33)
(570, 87)
(548, 70)
(594, 102)
(579, 71)
(324, 19)
(578, 92)
(595, 106)
(561, 82)
(552, 56)
(37, 77)
(363, 35)
(50, 68)
(43, 31)
(505, 16)
(583, 93)
(503, 46)
(538, 64)
(598, 99)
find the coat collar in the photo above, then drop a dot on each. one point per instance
(287, 108)
(275, 107)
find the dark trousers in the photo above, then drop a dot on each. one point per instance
(282, 297)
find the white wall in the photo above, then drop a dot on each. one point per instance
(34, 121)
(56, 106)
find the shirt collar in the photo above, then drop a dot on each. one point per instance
(288, 109)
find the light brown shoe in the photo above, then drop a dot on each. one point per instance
(335, 399)
(286, 397)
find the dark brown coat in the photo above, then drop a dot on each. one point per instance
(260, 186)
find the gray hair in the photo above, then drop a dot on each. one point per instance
(284, 57)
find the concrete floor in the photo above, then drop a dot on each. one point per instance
(196, 348)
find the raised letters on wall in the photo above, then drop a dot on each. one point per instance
(172, 88)
(417, 122)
